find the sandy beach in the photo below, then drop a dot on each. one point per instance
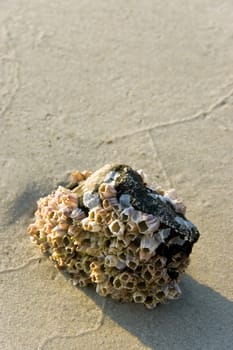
(85, 83)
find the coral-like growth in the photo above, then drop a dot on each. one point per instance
(111, 230)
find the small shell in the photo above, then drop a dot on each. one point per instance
(158, 274)
(151, 274)
(84, 281)
(86, 264)
(180, 207)
(130, 284)
(171, 194)
(148, 224)
(32, 229)
(78, 176)
(127, 214)
(91, 200)
(151, 302)
(110, 203)
(117, 228)
(85, 223)
(104, 288)
(77, 214)
(164, 234)
(122, 255)
(173, 290)
(113, 261)
(146, 275)
(147, 247)
(160, 190)
(141, 286)
(89, 225)
(34, 240)
(94, 212)
(132, 262)
(143, 175)
(117, 283)
(159, 261)
(139, 297)
(78, 265)
(59, 231)
(97, 277)
(86, 174)
(183, 265)
(163, 280)
(124, 239)
(125, 280)
(132, 250)
(176, 202)
(161, 295)
(63, 225)
(94, 266)
(57, 253)
(106, 191)
(70, 200)
(131, 231)
(93, 250)
(106, 233)
(66, 212)
(113, 247)
(131, 227)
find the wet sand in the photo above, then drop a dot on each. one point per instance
(149, 84)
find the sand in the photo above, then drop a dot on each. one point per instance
(148, 83)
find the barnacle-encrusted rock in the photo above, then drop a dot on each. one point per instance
(111, 230)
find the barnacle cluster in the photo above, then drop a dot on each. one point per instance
(112, 230)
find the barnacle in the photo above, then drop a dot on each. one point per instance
(112, 230)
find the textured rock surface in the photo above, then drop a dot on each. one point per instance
(112, 230)
(144, 83)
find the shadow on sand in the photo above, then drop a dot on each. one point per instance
(26, 201)
(200, 319)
